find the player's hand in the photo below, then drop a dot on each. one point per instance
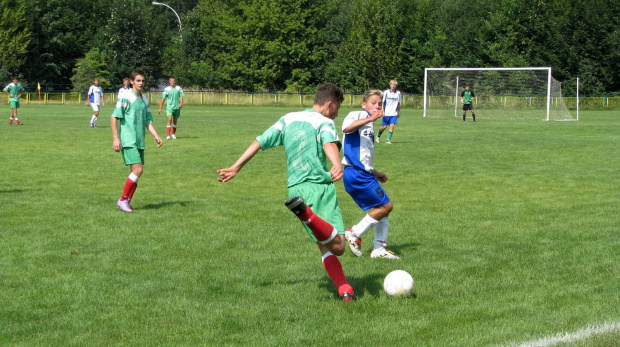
(159, 112)
(159, 141)
(227, 174)
(116, 145)
(377, 114)
(381, 177)
(336, 172)
(180, 106)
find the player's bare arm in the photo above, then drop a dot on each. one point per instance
(160, 105)
(333, 154)
(116, 142)
(229, 173)
(180, 103)
(360, 122)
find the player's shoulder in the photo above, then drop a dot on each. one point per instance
(167, 89)
(359, 114)
(177, 87)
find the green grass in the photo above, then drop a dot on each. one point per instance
(510, 229)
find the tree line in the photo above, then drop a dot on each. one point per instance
(295, 45)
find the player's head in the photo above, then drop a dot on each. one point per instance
(328, 98)
(373, 100)
(15, 79)
(137, 79)
(393, 84)
(467, 86)
(172, 81)
(126, 82)
(96, 81)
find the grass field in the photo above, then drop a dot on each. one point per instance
(511, 230)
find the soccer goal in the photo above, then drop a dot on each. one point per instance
(510, 93)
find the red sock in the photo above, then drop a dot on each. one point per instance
(320, 228)
(168, 131)
(174, 130)
(10, 120)
(130, 187)
(132, 190)
(334, 270)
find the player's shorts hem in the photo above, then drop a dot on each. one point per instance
(388, 120)
(95, 107)
(132, 155)
(14, 104)
(467, 107)
(175, 113)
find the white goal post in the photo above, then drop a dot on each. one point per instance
(520, 90)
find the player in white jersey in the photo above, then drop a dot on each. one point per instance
(124, 88)
(361, 180)
(94, 99)
(391, 109)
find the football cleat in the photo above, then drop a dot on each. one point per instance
(388, 142)
(383, 253)
(378, 140)
(167, 137)
(296, 204)
(20, 123)
(124, 205)
(174, 137)
(348, 297)
(355, 243)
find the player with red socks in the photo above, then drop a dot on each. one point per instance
(131, 117)
(309, 138)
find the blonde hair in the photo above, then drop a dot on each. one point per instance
(372, 92)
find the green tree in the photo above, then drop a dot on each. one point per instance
(14, 36)
(94, 64)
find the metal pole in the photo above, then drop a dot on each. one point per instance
(175, 13)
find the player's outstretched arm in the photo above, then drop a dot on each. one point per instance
(333, 154)
(358, 123)
(229, 173)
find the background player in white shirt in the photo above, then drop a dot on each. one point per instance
(94, 99)
(124, 88)
(391, 109)
(361, 180)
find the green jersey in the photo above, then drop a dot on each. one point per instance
(173, 95)
(303, 135)
(467, 96)
(14, 89)
(134, 114)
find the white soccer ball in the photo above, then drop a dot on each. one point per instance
(398, 283)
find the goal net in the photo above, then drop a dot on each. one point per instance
(509, 93)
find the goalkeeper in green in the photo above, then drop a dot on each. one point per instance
(467, 98)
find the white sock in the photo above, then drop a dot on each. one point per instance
(363, 226)
(133, 177)
(381, 233)
(93, 119)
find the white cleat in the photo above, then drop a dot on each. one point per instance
(174, 137)
(383, 253)
(355, 243)
(378, 140)
(167, 137)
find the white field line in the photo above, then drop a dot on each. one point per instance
(596, 329)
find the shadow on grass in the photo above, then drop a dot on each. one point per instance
(368, 285)
(9, 191)
(164, 204)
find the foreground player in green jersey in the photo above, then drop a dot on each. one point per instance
(131, 117)
(14, 90)
(308, 138)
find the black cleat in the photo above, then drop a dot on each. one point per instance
(296, 204)
(348, 297)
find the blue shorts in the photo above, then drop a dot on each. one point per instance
(387, 120)
(364, 188)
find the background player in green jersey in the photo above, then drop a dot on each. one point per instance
(131, 117)
(467, 98)
(309, 137)
(14, 90)
(175, 95)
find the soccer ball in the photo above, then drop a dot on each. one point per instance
(398, 283)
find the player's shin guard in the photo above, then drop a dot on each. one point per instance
(130, 187)
(363, 226)
(334, 270)
(390, 133)
(381, 233)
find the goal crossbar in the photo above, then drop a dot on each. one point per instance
(548, 69)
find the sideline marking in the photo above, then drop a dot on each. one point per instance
(591, 330)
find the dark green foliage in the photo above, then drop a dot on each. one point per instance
(295, 45)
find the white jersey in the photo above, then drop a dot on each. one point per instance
(391, 102)
(94, 94)
(359, 145)
(122, 91)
